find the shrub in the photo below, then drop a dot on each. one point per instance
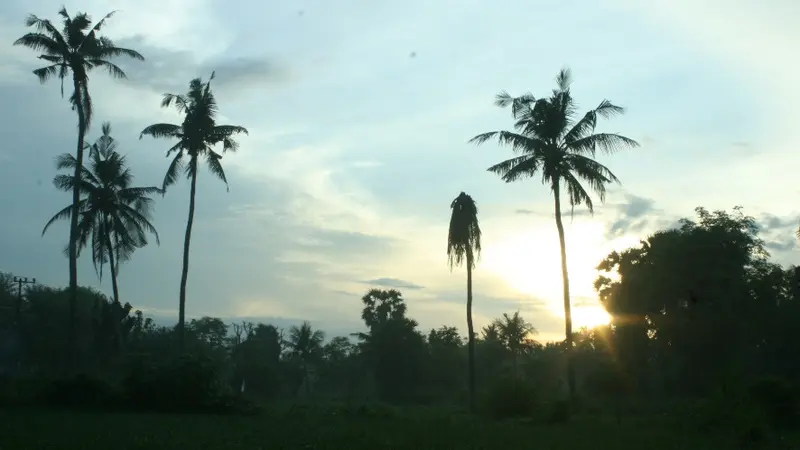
(186, 384)
(80, 391)
(510, 398)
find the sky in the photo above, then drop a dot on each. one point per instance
(359, 114)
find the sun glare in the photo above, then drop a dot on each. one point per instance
(530, 262)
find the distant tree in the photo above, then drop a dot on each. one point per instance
(197, 135)
(77, 48)
(114, 214)
(393, 347)
(464, 246)
(305, 344)
(514, 332)
(553, 142)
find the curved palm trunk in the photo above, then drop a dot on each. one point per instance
(471, 338)
(185, 271)
(73, 227)
(565, 279)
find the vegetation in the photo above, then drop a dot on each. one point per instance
(197, 136)
(77, 48)
(464, 246)
(699, 353)
(551, 141)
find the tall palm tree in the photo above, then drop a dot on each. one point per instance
(464, 245)
(114, 214)
(305, 343)
(553, 142)
(77, 48)
(197, 135)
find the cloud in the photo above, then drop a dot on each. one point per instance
(578, 212)
(171, 70)
(632, 216)
(393, 283)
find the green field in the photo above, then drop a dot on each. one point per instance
(418, 430)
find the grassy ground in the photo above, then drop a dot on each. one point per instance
(307, 429)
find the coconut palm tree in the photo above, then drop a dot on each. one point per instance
(464, 245)
(114, 214)
(305, 343)
(197, 135)
(553, 142)
(77, 48)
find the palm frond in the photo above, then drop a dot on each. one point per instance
(181, 102)
(577, 193)
(608, 143)
(41, 42)
(46, 73)
(108, 50)
(464, 234)
(215, 166)
(113, 70)
(516, 168)
(162, 130)
(175, 167)
(564, 79)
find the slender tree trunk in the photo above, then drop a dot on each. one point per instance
(567, 305)
(113, 267)
(471, 338)
(185, 271)
(73, 227)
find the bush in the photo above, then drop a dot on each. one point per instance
(186, 384)
(510, 398)
(80, 391)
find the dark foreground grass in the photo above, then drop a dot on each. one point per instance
(418, 430)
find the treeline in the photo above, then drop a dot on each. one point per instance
(697, 311)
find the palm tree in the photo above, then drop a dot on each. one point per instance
(305, 343)
(197, 136)
(115, 215)
(514, 332)
(464, 245)
(78, 49)
(553, 142)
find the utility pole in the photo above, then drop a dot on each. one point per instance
(20, 281)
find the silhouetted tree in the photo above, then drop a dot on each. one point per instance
(305, 344)
(464, 245)
(553, 142)
(197, 136)
(113, 213)
(513, 331)
(77, 48)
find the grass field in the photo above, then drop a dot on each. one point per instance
(418, 430)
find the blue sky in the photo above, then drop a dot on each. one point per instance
(359, 114)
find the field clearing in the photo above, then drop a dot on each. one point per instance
(316, 430)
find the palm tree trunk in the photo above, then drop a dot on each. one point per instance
(73, 227)
(471, 338)
(113, 267)
(185, 271)
(565, 279)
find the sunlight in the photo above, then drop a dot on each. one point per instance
(530, 262)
